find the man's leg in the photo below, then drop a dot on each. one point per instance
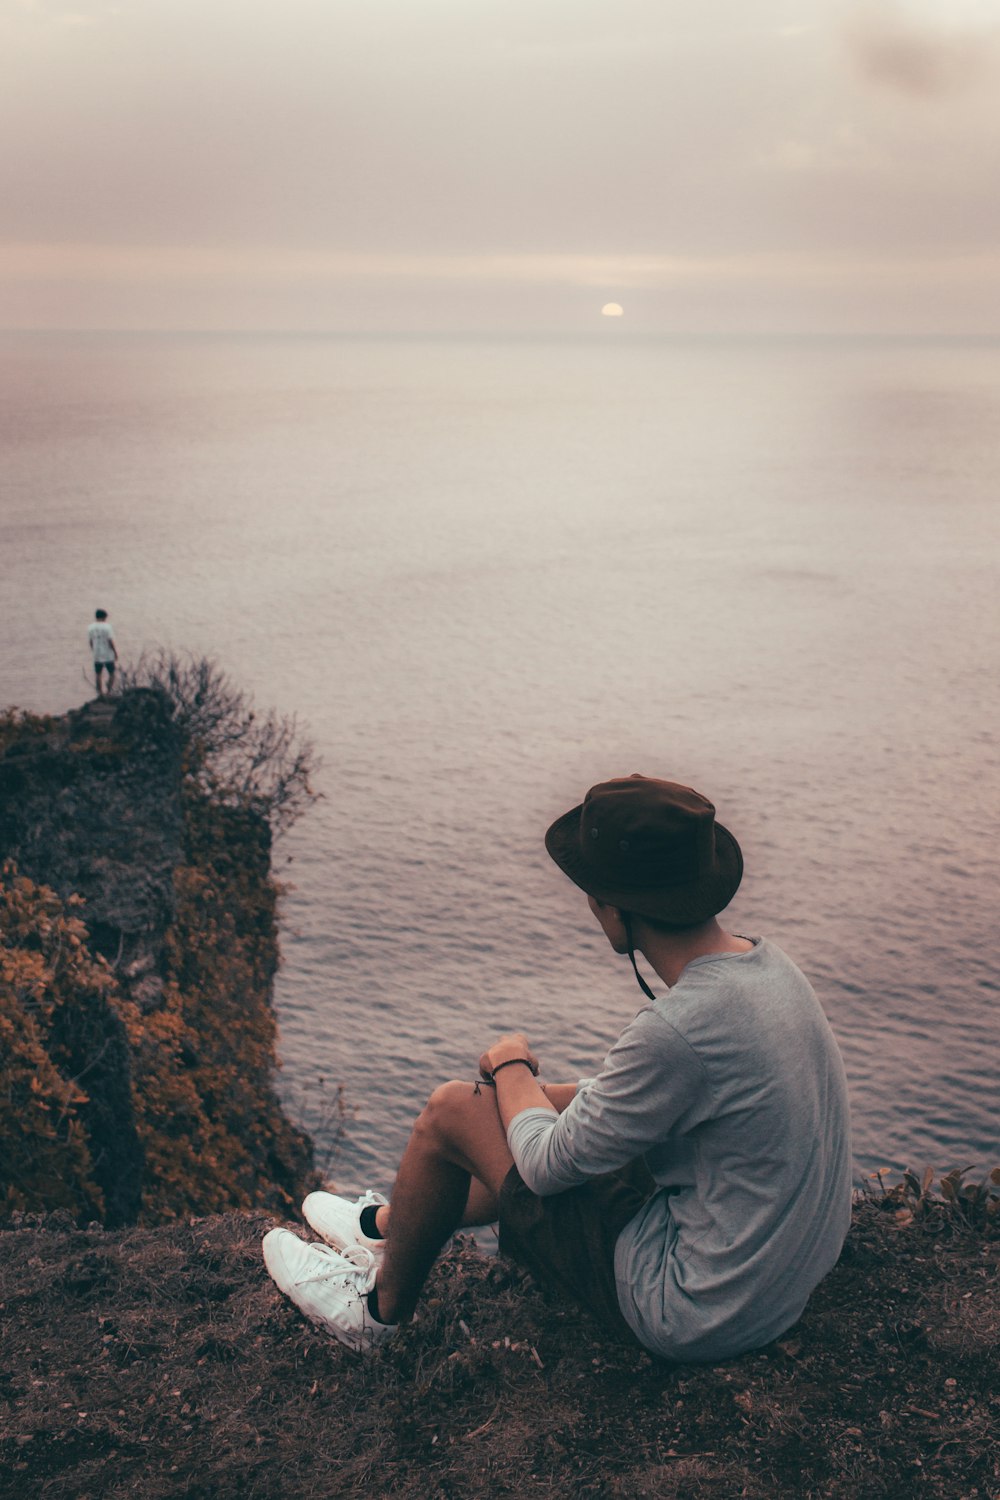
(458, 1140)
(99, 678)
(481, 1204)
(111, 675)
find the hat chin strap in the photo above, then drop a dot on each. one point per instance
(627, 924)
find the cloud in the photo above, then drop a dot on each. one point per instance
(116, 263)
(66, 12)
(346, 163)
(923, 58)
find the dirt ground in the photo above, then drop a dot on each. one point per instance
(163, 1363)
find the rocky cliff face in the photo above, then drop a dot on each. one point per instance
(168, 1038)
(92, 806)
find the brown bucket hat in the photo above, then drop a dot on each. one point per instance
(649, 847)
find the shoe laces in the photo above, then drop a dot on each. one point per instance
(354, 1263)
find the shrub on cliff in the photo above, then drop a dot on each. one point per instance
(17, 726)
(234, 754)
(184, 1119)
(45, 969)
(213, 1130)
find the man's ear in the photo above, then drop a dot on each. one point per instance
(612, 923)
(615, 928)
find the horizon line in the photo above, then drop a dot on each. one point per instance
(614, 333)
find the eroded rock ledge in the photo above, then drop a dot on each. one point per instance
(138, 943)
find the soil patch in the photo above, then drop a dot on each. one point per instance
(163, 1363)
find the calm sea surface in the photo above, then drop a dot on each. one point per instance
(488, 574)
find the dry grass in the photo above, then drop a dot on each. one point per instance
(163, 1363)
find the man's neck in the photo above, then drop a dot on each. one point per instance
(670, 952)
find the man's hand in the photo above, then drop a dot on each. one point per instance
(515, 1044)
(516, 1088)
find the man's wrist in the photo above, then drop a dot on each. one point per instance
(506, 1051)
(509, 1062)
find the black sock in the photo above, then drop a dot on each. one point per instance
(373, 1304)
(367, 1223)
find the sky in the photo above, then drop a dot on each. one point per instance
(713, 166)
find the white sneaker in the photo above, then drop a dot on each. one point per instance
(331, 1287)
(338, 1220)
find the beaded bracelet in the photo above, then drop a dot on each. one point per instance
(526, 1060)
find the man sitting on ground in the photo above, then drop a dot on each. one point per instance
(693, 1193)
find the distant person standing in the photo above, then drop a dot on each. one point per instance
(105, 652)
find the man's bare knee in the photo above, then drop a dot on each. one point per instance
(445, 1116)
(452, 1113)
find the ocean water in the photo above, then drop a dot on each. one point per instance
(487, 574)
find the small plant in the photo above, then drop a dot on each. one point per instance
(322, 1110)
(18, 726)
(957, 1205)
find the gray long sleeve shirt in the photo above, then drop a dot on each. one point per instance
(732, 1087)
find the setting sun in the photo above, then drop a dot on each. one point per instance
(612, 310)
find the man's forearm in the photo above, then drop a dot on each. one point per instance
(517, 1089)
(559, 1095)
